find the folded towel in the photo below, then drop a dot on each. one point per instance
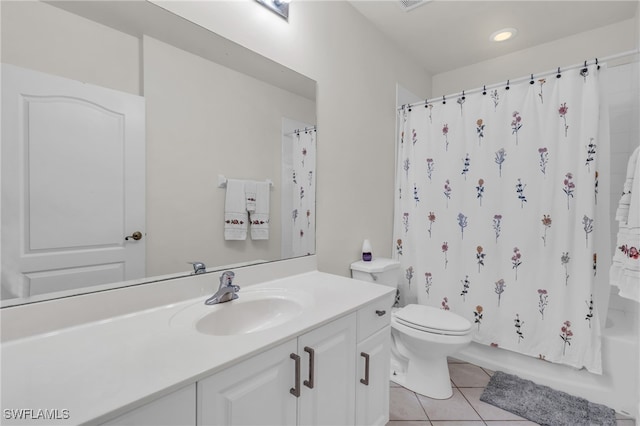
(260, 217)
(235, 211)
(622, 213)
(625, 269)
(250, 195)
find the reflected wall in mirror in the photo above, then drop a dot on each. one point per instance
(209, 108)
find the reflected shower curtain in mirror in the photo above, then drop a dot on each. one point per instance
(502, 213)
(299, 192)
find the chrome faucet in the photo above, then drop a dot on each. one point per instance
(227, 290)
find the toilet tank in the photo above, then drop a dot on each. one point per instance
(379, 271)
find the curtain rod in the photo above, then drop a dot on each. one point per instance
(306, 129)
(559, 70)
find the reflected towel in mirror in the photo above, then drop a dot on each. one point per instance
(250, 195)
(260, 217)
(235, 211)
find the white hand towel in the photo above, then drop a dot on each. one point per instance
(235, 211)
(260, 217)
(622, 213)
(250, 195)
(625, 270)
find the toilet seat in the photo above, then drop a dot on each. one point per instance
(428, 319)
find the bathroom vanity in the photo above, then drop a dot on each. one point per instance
(307, 348)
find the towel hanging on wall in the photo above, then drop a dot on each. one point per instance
(250, 195)
(260, 216)
(235, 211)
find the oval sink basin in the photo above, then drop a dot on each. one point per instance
(252, 312)
(248, 316)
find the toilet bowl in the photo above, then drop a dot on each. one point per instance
(422, 336)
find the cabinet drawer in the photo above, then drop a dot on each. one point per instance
(374, 316)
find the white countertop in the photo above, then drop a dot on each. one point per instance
(102, 369)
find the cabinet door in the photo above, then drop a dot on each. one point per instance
(253, 392)
(372, 395)
(328, 390)
(177, 408)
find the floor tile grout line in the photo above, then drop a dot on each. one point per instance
(421, 406)
(463, 395)
(474, 408)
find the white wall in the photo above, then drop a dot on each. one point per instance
(624, 108)
(47, 39)
(597, 43)
(203, 120)
(357, 69)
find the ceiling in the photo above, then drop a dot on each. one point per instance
(443, 35)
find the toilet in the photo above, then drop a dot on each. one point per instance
(422, 336)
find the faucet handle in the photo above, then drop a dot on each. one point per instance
(198, 267)
(226, 279)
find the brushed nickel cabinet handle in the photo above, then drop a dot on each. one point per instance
(365, 381)
(309, 383)
(295, 390)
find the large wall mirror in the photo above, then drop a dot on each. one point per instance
(153, 100)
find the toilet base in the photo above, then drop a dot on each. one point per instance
(427, 377)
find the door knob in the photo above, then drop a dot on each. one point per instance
(135, 236)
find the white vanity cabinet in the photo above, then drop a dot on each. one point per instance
(177, 408)
(309, 370)
(303, 381)
(336, 374)
(374, 352)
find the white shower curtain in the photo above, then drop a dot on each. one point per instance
(299, 192)
(502, 213)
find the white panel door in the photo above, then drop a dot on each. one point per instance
(329, 371)
(73, 184)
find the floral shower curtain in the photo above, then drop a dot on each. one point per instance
(502, 213)
(299, 189)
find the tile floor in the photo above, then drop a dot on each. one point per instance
(464, 408)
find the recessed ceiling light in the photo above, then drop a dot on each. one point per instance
(503, 34)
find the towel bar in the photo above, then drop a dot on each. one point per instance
(222, 181)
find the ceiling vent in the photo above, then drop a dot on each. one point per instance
(408, 5)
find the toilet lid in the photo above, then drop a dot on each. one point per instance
(433, 320)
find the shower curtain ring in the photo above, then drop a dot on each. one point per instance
(558, 75)
(584, 72)
(484, 90)
(463, 96)
(507, 88)
(443, 100)
(531, 82)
